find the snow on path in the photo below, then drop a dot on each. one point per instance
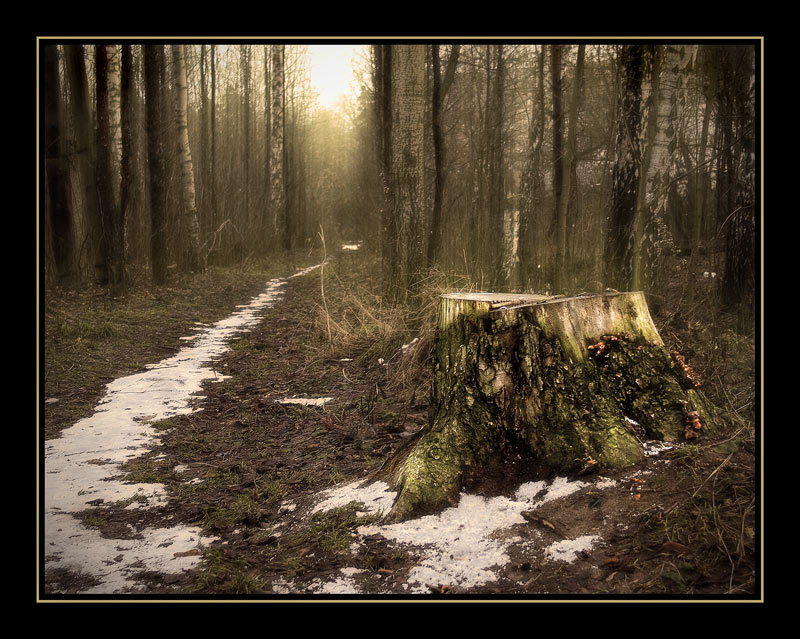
(81, 464)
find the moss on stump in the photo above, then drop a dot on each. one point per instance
(564, 381)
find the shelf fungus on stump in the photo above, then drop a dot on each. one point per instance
(554, 379)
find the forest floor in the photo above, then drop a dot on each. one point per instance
(271, 485)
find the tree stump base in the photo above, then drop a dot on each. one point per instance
(566, 381)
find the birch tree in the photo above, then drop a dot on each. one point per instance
(189, 208)
(277, 159)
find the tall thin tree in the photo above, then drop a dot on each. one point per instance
(620, 240)
(277, 160)
(194, 260)
(440, 90)
(154, 59)
(59, 209)
(79, 90)
(110, 211)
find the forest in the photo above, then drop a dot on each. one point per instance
(178, 178)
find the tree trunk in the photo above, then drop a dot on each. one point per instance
(408, 79)
(213, 134)
(264, 233)
(185, 158)
(110, 212)
(60, 212)
(620, 240)
(532, 188)
(79, 88)
(153, 60)
(496, 175)
(559, 382)
(277, 161)
(440, 89)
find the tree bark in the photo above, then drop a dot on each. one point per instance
(559, 382)
(620, 240)
(184, 153)
(496, 173)
(440, 89)
(110, 211)
(532, 187)
(408, 78)
(277, 161)
(60, 212)
(153, 61)
(79, 88)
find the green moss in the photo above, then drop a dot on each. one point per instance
(527, 375)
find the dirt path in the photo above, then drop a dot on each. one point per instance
(268, 500)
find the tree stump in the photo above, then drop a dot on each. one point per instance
(566, 381)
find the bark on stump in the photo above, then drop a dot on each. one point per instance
(564, 381)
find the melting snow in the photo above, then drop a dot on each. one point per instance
(306, 401)
(460, 545)
(117, 432)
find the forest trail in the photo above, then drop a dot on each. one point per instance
(83, 466)
(256, 487)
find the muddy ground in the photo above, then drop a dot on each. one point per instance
(248, 469)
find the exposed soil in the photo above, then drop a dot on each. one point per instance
(248, 469)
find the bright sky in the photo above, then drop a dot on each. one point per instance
(332, 75)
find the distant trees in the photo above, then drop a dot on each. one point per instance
(550, 167)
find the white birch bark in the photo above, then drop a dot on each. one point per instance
(185, 155)
(115, 116)
(276, 160)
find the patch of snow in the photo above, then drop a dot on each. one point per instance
(306, 401)
(568, 549)
(605, 482)
(655, 448)
(561, 487)
(459, 546)
(287, 507)
(283, 587)
(376, 497)
(118, 431)
(344, 585)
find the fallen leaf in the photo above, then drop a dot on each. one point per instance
(637, 497)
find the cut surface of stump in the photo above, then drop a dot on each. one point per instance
(563, 381)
